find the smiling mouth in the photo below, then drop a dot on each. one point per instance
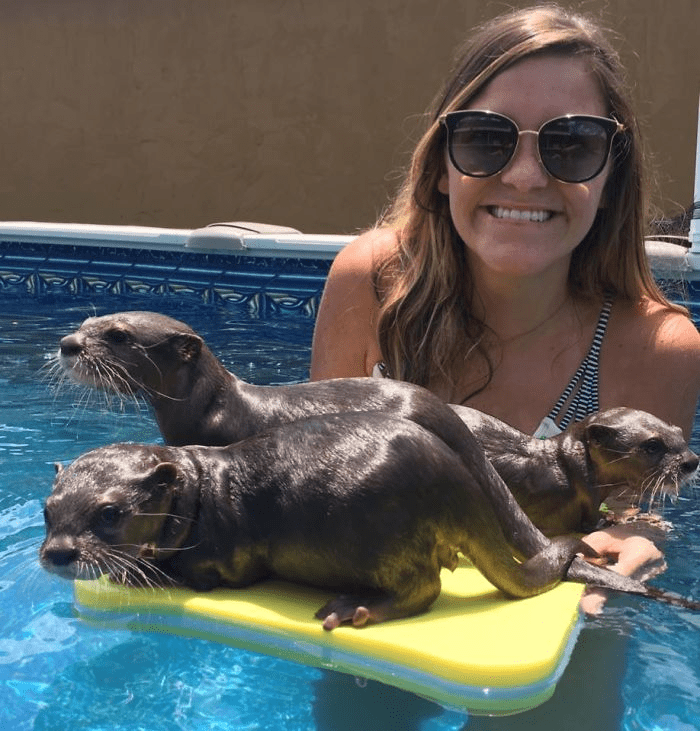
(518, 214)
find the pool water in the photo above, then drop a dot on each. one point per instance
(636, 667)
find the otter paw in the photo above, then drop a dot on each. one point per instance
(344, 609)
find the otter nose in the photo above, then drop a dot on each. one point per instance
(690, 464)
(61, 556)
(59, 552)
(70, 345)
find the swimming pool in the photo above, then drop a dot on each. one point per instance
(635, 667)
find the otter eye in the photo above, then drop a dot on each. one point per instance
(110, 515)
(653, 447)
(116, 335)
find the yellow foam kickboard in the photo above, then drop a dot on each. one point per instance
(473, 650)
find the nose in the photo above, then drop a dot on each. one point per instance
(690, 464)
(59, 552)
(524, 170)
(70, 345)
(61, 556)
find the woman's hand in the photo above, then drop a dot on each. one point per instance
(622, 549)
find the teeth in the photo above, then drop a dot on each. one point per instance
(516, 214)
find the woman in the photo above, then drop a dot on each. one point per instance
(509, 274)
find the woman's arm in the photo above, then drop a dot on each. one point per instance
(345, 340)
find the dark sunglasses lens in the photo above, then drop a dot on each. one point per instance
(482, 144)
(574, 149)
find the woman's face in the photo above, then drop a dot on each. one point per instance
(522, 222)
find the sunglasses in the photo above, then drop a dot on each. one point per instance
(572, 149)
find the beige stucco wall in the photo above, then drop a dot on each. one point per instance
(297, 112)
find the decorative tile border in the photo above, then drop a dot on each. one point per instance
(261, 285)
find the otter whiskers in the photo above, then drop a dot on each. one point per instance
(125, 568)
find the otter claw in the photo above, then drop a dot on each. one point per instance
(360, 617)
(344, 609)
(331, 621)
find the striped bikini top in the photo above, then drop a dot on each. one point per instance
(580, 397)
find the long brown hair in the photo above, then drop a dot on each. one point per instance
(426, 326)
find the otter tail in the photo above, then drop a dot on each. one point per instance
(670, 597)
(586, 573)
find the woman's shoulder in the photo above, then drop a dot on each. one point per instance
(653, 326)
(345, 340)
(362, 254)
(651, 361)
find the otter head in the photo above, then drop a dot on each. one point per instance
(632, 448)
(110, 512)
(130, 352)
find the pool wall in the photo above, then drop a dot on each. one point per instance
(226, 264)
(261, 267)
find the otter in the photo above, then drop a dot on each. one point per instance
(560, 481)
(365, 503)
(194, 398)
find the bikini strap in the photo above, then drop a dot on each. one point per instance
(584, 383)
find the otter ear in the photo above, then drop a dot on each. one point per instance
(600, 435)
(162, 476)
(188, 346)
(58, 467)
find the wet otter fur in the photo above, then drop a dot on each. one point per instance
(194, 398)
(562, 481)
(361, 502)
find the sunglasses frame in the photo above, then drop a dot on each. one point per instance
(450, 120)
